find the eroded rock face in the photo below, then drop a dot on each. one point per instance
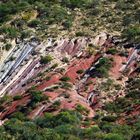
(75, 91)
(82, 64)
(100, 39)
(132, 60)
(71, 47)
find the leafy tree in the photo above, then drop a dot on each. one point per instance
(91, 133)
(64, 129)
(71, 137)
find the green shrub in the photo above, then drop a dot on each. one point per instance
(5, 98)
(103, 67)
(65, 85)
(34, 23)
(76, 3)
(10, 32)
(112, 136)
(8, 47)
(67, 24)
(137, 15)
(18, 115)
(135, 94)
(47, 78)
(56, 104)
(54, 66)
(17, 97)
(46, 59)
(36, 96)
(112, 51)
(65, 60)
(65, 79)
(80, 71)
(127, 20)
(80, 34)
(132, 33)
(25, 34)
(109, 118)
(82, 109)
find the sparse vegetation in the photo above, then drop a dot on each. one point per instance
(56, 104)
(66, 85)
(82, 109)
(132, 33)
(103, 67)
(117, 109)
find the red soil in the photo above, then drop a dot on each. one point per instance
(54, 79)
(12, 108)
(67, 105)
(84, 64)
(52, 95)
(117, 64)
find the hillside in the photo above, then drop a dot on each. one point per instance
(69, 69)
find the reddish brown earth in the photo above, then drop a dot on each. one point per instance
(117, 64)
(54, 79)
(135, 111)
(76, 96)
(82, 64)
(9, 109)
(52, 95)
